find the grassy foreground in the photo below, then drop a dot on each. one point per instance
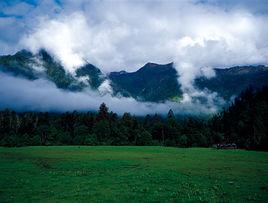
(132, 174)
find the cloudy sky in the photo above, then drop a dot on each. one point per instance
(197, 35)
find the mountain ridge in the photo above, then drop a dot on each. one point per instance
(152, 82)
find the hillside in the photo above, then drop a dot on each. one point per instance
(43, 65)
(152, 82)
(231, 81)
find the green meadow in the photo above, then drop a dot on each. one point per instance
(132, 174)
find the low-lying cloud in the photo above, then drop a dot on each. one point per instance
(42, 95)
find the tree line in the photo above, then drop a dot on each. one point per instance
(244, 122)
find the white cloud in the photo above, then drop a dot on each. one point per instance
(62, 38)
(105, 88)
(105, 34)
(41, 95)
(126, 35)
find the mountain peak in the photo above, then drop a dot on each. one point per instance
(150, 65)
(153, 65)
(24, 53)
(153, 82)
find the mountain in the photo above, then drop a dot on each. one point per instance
(152, 82)
(231, 81)
(91, 74)
(20, 64)
(43, 65)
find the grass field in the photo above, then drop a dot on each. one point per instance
(132, 174)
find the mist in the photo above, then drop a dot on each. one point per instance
(42, 95)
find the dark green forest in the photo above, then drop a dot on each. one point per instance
(244, 122)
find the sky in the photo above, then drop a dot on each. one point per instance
(197, 35)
